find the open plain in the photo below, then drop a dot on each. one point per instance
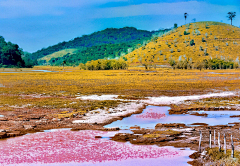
(32, 101)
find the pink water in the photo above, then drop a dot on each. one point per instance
(65, 147)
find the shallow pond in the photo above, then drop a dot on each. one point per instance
(153, 115)
(65, 147)
(27, 71)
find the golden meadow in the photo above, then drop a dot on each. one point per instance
(135, 83)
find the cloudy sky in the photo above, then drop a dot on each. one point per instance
(34, 24)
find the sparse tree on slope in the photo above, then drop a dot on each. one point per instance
(231, 16)
(185, 16)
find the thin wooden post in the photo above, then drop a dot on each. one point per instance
(210, 139)
(232, 154)
(200, 139)
(225, 145)
(214, 138)
(219, 145)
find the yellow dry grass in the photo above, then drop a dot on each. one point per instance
(59, 89)
(132, 82)
(221, 41)
(162, 133)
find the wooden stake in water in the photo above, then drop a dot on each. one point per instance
(225, 145)
(232, 154)
(200, 139)
(214, 138)
(210, 139)
(219, 145)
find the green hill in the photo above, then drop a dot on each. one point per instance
(190, 43)
(110, 42)
(57, 54)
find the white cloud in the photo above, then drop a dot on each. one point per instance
(191, 7)
(20, 8)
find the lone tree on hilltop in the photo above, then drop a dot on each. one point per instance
(231, 16)
(185, 16)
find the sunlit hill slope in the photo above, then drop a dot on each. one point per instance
(194, 42)
(58, 54)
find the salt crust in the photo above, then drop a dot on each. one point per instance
(102, 116)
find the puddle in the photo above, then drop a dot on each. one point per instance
(153, 115)
(42, 71)
(1, 116)
(27, 71)
(220, 73)
(65, 147)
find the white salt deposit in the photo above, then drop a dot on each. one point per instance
(104, 115)
(96, 97)
(166, 100)
(101, 116)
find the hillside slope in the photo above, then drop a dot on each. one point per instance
(194, 42)
(100, 42)
(58, 54)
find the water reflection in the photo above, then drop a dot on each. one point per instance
(154, 114)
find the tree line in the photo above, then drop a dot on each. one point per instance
(212, 64)
(104, 64)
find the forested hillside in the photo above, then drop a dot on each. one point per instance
(10, 54)
(109, 43)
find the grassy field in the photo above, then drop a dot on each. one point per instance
(59, 89)
(133, 82)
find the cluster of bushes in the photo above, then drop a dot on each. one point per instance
(214, 63)
(104, 64)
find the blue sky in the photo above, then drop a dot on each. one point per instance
(34, 24)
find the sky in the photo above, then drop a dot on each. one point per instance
(37, 24)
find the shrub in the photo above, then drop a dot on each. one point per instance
(192, 42)
(203, 40)
(205, 52)
(175, 25)
(226, 44)
(172, 62)
(186, 33)
(160, 52)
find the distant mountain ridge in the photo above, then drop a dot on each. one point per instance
(111, 37)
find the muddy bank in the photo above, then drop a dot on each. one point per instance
(181, 136)
(24, 120)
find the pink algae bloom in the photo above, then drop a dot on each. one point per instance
(65, 146)
(151, 115)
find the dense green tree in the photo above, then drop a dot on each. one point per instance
(10, 54)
